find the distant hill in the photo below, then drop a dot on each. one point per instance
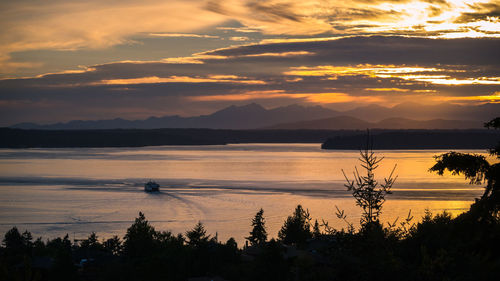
(416, 111)
(20, 138)
(249, 116)
(417, 139)
(254, 116)
(351, 123)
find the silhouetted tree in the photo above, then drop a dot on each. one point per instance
(13, 240)
(494, 123)
(197, 236)
(365, 189)
(60, 250)
(476, 169)
(113, 245)
(316, 231)
(140, 238)
(258, 235)
(231, 243)
(297, 227)
(91, 242)
(27, 239)
(270, 264)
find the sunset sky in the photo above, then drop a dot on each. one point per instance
(65, 60)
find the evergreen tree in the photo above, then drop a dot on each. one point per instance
(113, 245)
(316, 231)
(297, 227)
(197, 236)
(258, 235)
(369, 195)
(91, 242)
(140, 238)
(13, 240)
(27, 239)
(231, 243)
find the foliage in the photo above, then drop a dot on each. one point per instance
(258, 235)
(297, 227)
(437, 248)
(197, 236)
(494, 123)
(365, 189)
(140, 238)
(341, 215)
(316, 233)
(476, 169)
(473, 166)
(91, 242)
(231, 243)
(13, 239)
(113, 245)
(404, 229)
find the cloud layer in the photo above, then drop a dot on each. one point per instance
(58, 25)
(359, 70)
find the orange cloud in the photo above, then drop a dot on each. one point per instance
(383, 71)
(386, 90)
(182, 35)
(451, 18)
(393, 71)
(283, 54)
(180, 79)
(447, 80)
(239, 38)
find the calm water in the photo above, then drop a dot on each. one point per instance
(52, 192)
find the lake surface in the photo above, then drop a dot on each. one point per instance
(51, 192)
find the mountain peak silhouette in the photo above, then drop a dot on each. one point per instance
(253, 115)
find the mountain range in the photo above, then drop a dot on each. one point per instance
(254, 116)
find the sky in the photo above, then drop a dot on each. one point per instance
(65, 60)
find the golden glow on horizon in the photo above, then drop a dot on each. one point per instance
(494, 98)
(330, 98)
(322, 98)
(326, 98)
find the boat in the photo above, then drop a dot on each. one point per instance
(151, 186)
